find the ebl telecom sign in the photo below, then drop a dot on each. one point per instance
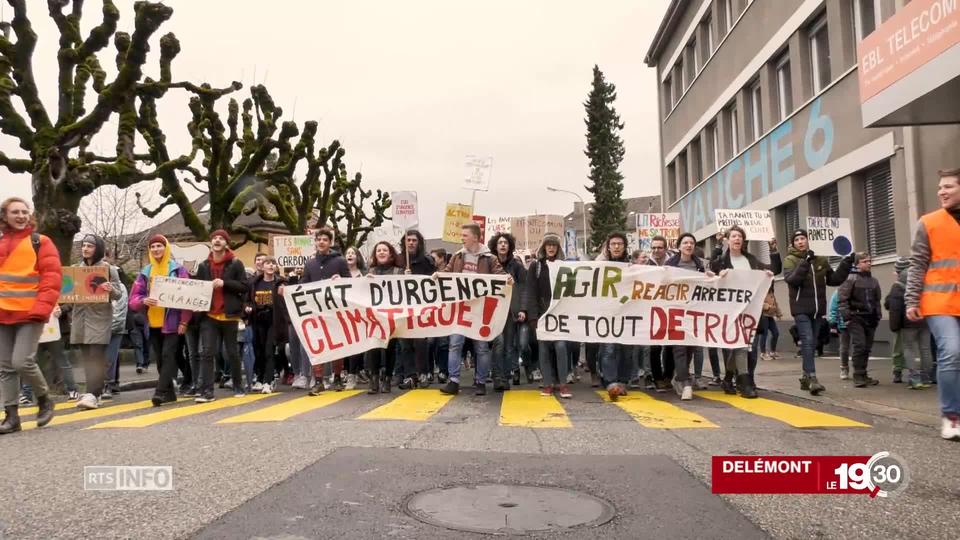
(802, 144)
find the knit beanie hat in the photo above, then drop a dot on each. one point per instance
(220, 232)
(796, 233)
(157, 239)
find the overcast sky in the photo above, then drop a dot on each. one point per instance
(412, 87)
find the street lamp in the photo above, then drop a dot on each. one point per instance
(583, 210)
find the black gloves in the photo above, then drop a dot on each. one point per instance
(810, 256)
(850, 259)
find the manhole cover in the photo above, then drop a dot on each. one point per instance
(508, 509)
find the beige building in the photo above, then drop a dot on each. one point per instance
(760, 108)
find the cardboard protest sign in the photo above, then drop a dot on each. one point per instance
(293, 251)
(603, 302)
(478, 173)
(177, 293)
(387, 232)
(83, 285)
(496, 225)
(660, 224)
(756, 223)
(570, 242)
(339, 318)
(405, 209)
(51, 331)
(456, 217)
(829, 236)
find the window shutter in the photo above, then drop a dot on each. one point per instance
(881, 220)
(830, 207)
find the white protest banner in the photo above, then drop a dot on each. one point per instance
(478, 173)
(293, 251)
(666, 225)
(51, 331)
(177, 293)
(756, 223)
(339, 318)
(405, 209)
(604, 302)
(829, 236)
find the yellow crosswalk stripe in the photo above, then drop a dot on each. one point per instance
(527, 408)
(653, 413)
(290, 408)
(799, 417)
(416, 405)
(167, 415)
(27, 411)
(102, 412)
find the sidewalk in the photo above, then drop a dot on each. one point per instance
(886, 399)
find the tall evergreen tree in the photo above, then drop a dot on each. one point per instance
(605, 151)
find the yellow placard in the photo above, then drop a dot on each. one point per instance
(456, 217)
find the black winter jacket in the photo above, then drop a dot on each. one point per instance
(808, 283)
(859, 298)
(321, 267)
(235, 285)
(723, 263)
(515, 268)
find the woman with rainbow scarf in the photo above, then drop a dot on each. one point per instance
(166, 325)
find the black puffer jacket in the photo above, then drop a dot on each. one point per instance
(859, 298)
(321, 267)
(537, 292)
(723, 263)
(421, 264)
(808, 282)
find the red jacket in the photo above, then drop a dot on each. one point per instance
(51, 276)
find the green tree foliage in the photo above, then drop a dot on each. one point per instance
(605, 151)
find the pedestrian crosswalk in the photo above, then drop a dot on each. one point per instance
(517, 409)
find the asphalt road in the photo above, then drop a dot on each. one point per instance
(327, 473)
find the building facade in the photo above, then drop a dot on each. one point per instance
(760, 109)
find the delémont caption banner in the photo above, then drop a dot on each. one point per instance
(342, 317)
(604, 302)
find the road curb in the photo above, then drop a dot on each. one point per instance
(833, 403)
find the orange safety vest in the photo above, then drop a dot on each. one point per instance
(19, 278)
(941, 285)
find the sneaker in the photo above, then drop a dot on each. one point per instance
(228, 384)
(139, 370)
(716, 381)
(571, 378)
(897, 377)
(649, 383)
(106, 395)
(88, 402)
(871, 381)
(565, 392)
(480, 389)
(614, 391)
(950, 429)
(209, 398)
(678, 387)
(917, 385)
(452, 388)
(362, 377)
(300, 381)
(317, 388)
(337, 385)
(257, 386)
(537, 376)
(351, 382)
(423, 381)
(442, 378)
(516, 378)
(547, 391)
(662, 386)
(700, 383)
(266, 389)
(193, 391)
(687, 393)
(634, 384)
(815, 387)
(407, 384)
(25, 400)
(844, 374)
(240, 394)
(73, 395)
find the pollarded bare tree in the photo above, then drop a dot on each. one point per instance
(114, 215)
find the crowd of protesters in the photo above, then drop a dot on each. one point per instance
(246, 343)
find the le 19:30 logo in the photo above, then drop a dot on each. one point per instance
(883, 475)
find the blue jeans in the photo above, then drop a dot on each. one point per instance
(808, 329)
(946, 331)
(455, 358)
(554, 362)
(615, 363)
(113, 356)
